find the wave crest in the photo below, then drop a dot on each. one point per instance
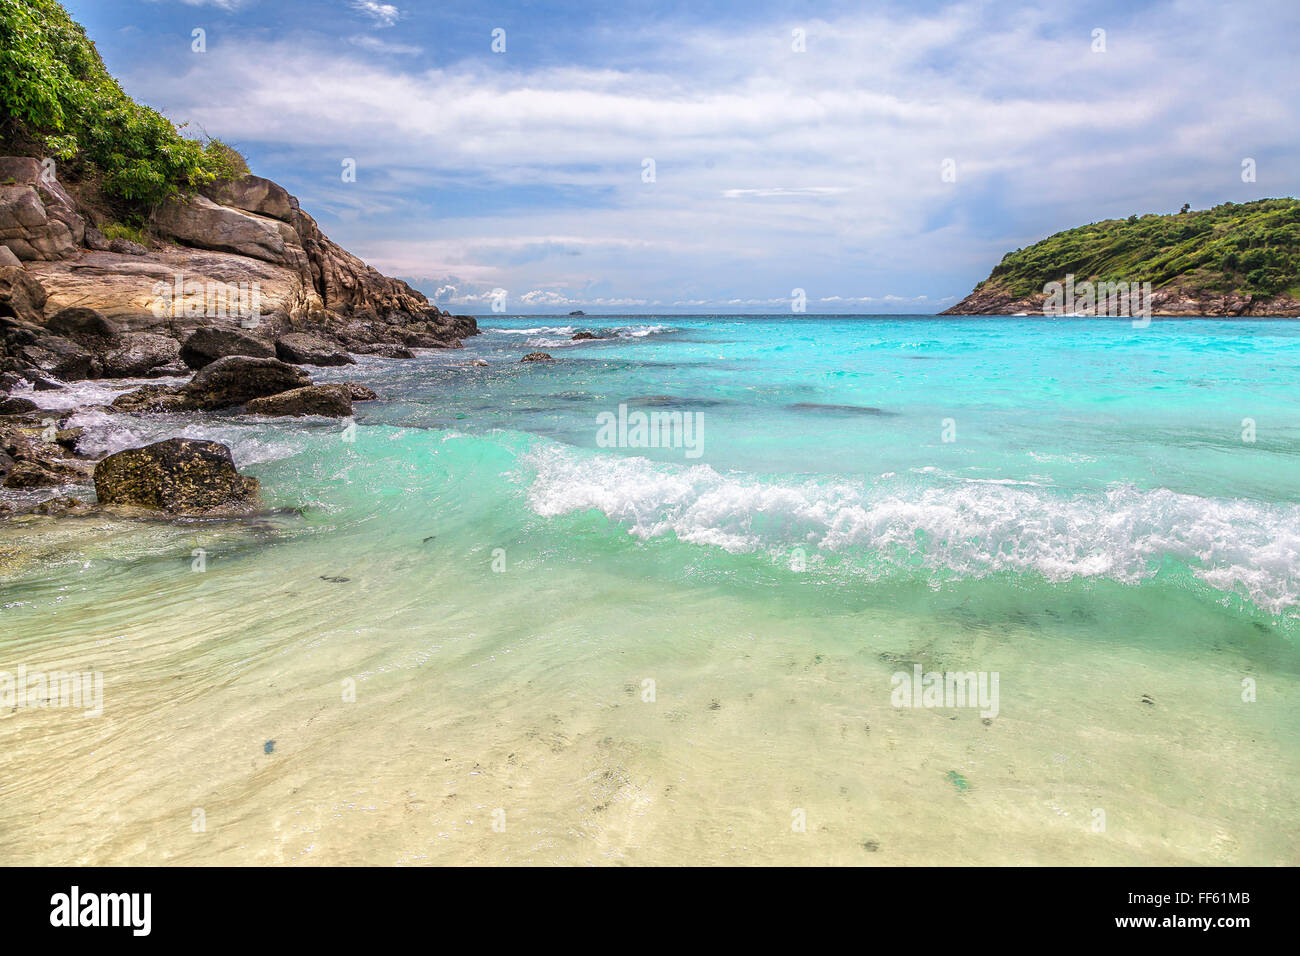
(949, 525)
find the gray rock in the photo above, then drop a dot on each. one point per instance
(236, 379)
(81, 323)
(204, 346)
(537, 357)
(198, 221)
(303, 349)
(21, 296)
(125, 247)
(141, 353)
(254, 194)
(332, 401)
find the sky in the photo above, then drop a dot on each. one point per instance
(716, 157)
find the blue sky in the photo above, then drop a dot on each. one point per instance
(774, 168)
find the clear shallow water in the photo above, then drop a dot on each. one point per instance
(1096, 531)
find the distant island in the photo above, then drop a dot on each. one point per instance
(577, 312)
(1234, 259)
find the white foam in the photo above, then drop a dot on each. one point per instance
(946, 525)
(88, 392)
(107, 433)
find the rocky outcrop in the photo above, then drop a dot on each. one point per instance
(236, 379)
(303, 349)
(249, 230)
(38, 219)
(1177, 298)
(332, 401)
(179, 476)
(204, 346)
(537, 357)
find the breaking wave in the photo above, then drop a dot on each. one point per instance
(947, 525)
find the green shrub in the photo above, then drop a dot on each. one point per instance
(55, 91)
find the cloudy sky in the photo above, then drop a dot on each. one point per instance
(714, 157)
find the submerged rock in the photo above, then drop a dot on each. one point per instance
(360, 393)
(151, 398)
(179, 476)
(237, 379)
(384, 350)
(332, 401)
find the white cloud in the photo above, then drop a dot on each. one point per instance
(1044, 135)
(384, 14)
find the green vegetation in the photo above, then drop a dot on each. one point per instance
(57, 97)
(1251, 247)
(120, 230)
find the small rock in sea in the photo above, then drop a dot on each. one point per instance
(987, 721)
(1148, 700)
(537, 357)
(268, 747)
(360, 393)
(871, 846)
(176, 476)
(428, 539)
(330, 401)
(334, 579)
(17, 406)
(584, 335)
(716, 705)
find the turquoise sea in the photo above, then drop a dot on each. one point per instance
(471, 629)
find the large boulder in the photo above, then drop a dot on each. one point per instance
(198, 221)
(62, 358)
(332, 401)
(237, 379)
(140, 354)
(177, 476)
(81, 323)
(204, 346)
(303, 349)
(254, 194)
